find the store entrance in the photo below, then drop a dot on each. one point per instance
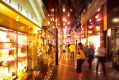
(115, 47)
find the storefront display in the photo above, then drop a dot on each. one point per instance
(10, 62)
(22, 54)
(7, 53)
(114, 47)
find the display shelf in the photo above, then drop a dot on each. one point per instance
(6, 45)
(7, 54)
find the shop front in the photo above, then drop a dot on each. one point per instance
(93, 30)
(113, 42)
(113, 32)
(18, 44)
(13, 53)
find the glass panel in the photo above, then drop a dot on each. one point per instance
(22, 53)
(7, 53)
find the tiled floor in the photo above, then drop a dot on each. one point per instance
(66, 71)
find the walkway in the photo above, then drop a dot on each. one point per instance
(66, 71)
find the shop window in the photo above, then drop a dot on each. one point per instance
(19, 7)
(9, 1)
(13, 53)
(27, 13)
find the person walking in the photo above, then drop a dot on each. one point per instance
(72, 51)
(80, 55)
(90, 54)
(101, 58)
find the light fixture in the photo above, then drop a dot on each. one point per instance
(53, 27)
(82, 29)
(89, 32)
(17, 18)
(98, 9)
(97, 16)
(115, 20)
(98, 19)
(71, 10)
(56, 19)
(90, 26)
(64, 24)
(109, 32)
(52, 10)
(64, 9)
(68, 23)
(68, 14)
(48, 22)
(90, 20)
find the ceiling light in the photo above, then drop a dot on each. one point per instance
(53, 27)
(68, 23)
(98, 19)
(90, 32)
(71, 10)
(98, 9)
(82, 29)
(63, 19)
(90, 27)
(115, 20)
(64, 24)
(109, 32)
(97, 28)
(48, 23)
(56, 20)
(64, 10)
(52, 10)
(97, 16)
(17, 18)
(68, 15)
(90, 20)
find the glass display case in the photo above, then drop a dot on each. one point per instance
(22, 54)
(114, 45)
(13, 54)
(7, 54)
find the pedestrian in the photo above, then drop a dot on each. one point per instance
(64, 48)
(90, 55)
(86, 49)
(72, 50)
(80, 55)
(101, 55)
